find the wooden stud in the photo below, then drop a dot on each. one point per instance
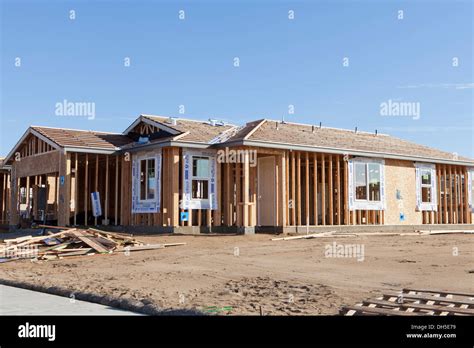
(246, 187)
(293, 189)
(338, 187)
(323, 189)
(96, 180)
(76, 186)
(217, 212)
(445, 197)
(346, 197)
(467, 211)
(307, 189)
(116, 188)
(330, 192)
(315, 189)
(287, 189)
(451, 212)
(298, 189)
(86, 187)
(438, 178)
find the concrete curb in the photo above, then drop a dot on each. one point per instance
(106, 300)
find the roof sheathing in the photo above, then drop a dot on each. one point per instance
(344, 140)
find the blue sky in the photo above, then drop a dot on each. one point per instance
(282, 62)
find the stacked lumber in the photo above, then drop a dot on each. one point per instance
(415, 302)
(72, 242)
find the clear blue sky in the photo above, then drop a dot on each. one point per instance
(282, 62)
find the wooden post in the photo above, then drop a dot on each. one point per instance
(315, 188)
(346, 196)
(445, 198)
(64, 189)
(27, 196)
(438, 178)
(217, 212)
(246, 185)
(76, 186)
(338, 187)
(298, 188)
(284, 190)
(116, 189)
(287, 189)
(106, 189)
(86, 187)
(331, 192)
(456, 197)
(451, 212)
(466, 195)
(96, 180)
(238, 185)
(307, 189)
(323, 189)
(293, 189)
(174, 187)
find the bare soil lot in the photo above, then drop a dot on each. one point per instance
(251, 272)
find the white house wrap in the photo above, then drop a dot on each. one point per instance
(188, 202)
(147, 205)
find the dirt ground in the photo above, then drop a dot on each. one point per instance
(249, 274)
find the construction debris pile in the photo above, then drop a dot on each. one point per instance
(72, 242)
(414, 302)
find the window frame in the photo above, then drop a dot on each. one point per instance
(140, 160)
(366, 204)
(420, 168)
(201, 178)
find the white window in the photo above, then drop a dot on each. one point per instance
(366, 184)
(426, 187)
(200, 177)
(146, 182)
(470, 186)
(199, 180)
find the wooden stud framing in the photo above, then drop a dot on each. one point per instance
(338, 187)
(246, 186)
(86, 187)
(76, 187)
(346, 198)
(331, 192)
(323, 190)
(96, 180)
(116, 188)
(445, 197)
(293, 190)
(315, 188)
(307, 188)
(298, 189)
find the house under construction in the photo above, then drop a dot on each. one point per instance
(169, 174)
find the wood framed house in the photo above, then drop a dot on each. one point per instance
(165, 174)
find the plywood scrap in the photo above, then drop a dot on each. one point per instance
(307, 236)
(70, 243)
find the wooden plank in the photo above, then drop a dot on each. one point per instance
(346, 196)
(315, 188)
(440, 292)
(238, 184)
(331, 192)
(466, 195)
(283, 200)
(217, 212)
(116, 193)
(438, 177)
(338, 187)
(445, 198)
(93, 244)
(86, 187)
(434, 308)
(323, 189)
(298, 189)
(106, 189)
(455, 207)
(307, 188)
(76, 186)
(293, 189)
(96, 180)
(246, 187)
(461, 197)
(287, 189)
(382, 311)
(451, 212)
(435, 299)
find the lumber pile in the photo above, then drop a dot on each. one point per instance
(415, 302)
(72, 242)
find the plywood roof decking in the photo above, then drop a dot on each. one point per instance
(82, 138)
(199, 131)
(300, 134)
